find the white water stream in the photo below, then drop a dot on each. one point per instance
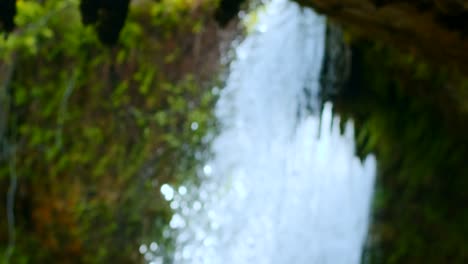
(281, 188)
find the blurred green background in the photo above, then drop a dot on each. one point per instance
(89, 132)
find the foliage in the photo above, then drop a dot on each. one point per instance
(92, 133)
(412, 114)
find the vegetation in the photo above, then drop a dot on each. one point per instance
(89, 134)
(413, 115)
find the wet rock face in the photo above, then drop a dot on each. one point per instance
(435, 28)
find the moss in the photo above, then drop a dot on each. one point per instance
(94, 132)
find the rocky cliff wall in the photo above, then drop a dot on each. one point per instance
(432, 28)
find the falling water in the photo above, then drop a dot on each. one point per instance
(284, 185)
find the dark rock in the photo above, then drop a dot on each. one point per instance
(107, 16)
(7, 15)
(227, 10)
(434, 29)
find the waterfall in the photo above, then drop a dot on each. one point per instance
(284, 185)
